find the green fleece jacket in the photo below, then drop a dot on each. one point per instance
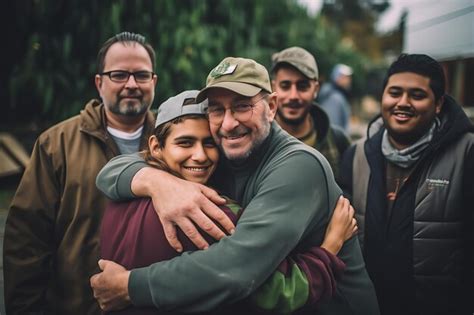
(288, 192)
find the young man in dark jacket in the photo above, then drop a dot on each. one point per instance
(411, 182)
(295, 80)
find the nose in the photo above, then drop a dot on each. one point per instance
(199, 154)
(404, 99)
(131, 82)
(294, 94)
(229, 122)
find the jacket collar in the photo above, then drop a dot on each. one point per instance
(93, 122)
(321, 121)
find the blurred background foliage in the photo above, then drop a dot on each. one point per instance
(49, 73)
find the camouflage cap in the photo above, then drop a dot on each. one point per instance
(240, 75)
(180, 105)
(299, 58)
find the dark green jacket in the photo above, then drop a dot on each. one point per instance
(288, 192)
(331, 139)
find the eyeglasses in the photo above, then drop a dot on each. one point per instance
(122, 76)
(241, 111)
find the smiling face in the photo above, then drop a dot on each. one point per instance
(189, 150)
(238, 139)
(295, 94)
(408, 108)
(129, 98)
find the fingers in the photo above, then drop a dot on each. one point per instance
(196, 210)
(206, 224)
(351, 209)
(340, 203)
(216, 214)
(170, 233)
(94, 280)
(212, 195)
(102, 263)
(355, 227)
(192, 233)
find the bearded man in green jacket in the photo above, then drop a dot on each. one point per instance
(286, 187)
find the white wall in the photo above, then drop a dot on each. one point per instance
(443, 29)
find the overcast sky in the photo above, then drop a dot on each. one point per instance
(390, 18)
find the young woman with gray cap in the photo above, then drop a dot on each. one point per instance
(132, 234)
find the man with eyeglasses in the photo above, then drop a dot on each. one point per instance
(51, 244)
(295, 80)
(288, 192)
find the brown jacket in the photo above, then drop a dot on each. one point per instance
(51, 244)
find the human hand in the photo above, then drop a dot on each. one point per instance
(111, 286)
(342, 226)
(184, 204)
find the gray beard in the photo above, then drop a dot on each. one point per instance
(128, 109)
(255, 145)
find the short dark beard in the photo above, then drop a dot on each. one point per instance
(407, 140)
(292, 122)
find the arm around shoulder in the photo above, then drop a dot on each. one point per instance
(233, 268)
(115, 178)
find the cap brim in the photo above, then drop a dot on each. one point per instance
(241, 88)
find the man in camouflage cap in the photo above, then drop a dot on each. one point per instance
(288, 191)
(295, 80)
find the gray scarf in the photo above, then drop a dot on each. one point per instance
(405, 158)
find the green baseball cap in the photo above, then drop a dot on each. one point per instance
(299, 58)
(180, 105)
(240, 75)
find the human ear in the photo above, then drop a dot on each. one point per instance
(316, 89)
(439, 105)
(154, 147)
(272, 105)
(98, 82)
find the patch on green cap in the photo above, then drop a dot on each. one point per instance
(222, 69)
(240, 75)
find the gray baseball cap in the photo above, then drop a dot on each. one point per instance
(341, 69)
(299, 58)
(180, 105)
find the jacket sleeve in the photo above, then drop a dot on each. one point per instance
(277, 219)
(115, 178)
(302, 279)
(29, 241)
